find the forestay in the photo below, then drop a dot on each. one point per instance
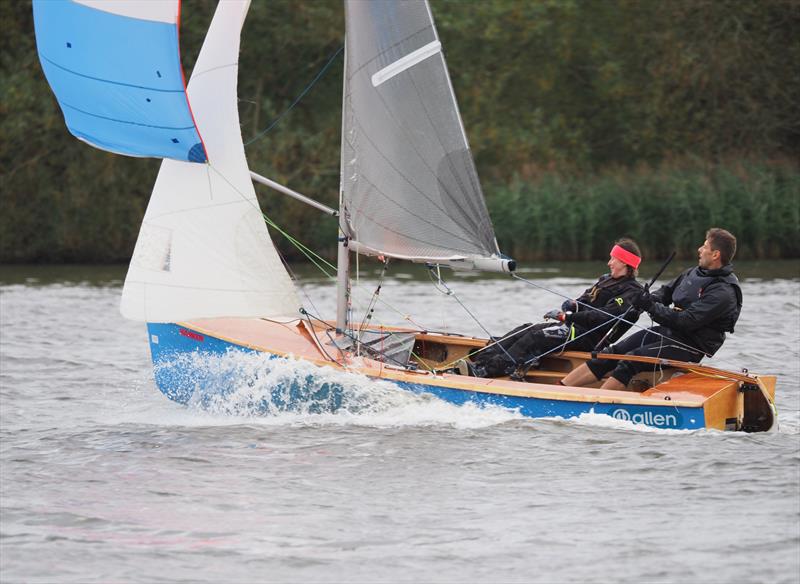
(409, 185)
(203, 249)
(116, 72)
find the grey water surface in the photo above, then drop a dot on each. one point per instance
(102, 479)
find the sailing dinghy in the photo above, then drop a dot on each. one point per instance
(206, 277)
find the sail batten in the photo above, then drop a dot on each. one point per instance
(409, 184)
(406, 62)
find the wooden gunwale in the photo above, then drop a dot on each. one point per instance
(685, 365)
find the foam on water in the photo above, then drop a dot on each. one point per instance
(606, 421)
(237, 387)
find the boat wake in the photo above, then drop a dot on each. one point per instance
(284, 390)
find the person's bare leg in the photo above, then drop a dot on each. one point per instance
(614, 383)
(579, 376)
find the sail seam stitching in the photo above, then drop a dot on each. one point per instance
(110, 81)
(77, 109)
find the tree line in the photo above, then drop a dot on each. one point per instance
(588, 119)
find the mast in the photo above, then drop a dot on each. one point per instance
(343, 256)
(342, 284)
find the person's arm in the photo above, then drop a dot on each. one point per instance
(717, 300)
(580, 303)
(664, 294)
(616, 306)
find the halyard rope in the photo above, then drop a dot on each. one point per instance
(297, 99)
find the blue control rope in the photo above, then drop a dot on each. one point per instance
(297, 99)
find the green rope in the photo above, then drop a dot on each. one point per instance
(310, 254)
(304, 249)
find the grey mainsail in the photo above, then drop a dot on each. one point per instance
(409, 185)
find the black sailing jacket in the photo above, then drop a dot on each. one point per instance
(612, 297)
(706, 303)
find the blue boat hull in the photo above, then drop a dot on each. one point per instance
(176, 379)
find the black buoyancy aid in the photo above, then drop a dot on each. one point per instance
(606, 291)
(607, 288)
(697, 280)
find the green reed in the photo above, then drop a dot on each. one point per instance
(558, 217)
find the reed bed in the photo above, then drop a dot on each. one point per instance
(559, 217)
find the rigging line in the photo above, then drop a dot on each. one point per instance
(449, 292)
(302, 246)
(357, 289)
(254, 203)
(304, 249)
(497, 340)
(420, 361)
(355, 340)
(559, 347)
(294, 241)
(403, 315)
(658, 355)
(613, 316)
(438, 280)
(297, 99)
(562, 346)
(305, 313)
(373, 301)
(454, 295)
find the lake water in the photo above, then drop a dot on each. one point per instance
(102, 479)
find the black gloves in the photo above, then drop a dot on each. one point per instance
(555, 314)
(643, 301)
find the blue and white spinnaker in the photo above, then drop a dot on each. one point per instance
(115, 69)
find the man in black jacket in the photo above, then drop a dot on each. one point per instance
(706, 301)
(578, 326)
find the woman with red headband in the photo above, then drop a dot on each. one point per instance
(692, 313)
(581, 323)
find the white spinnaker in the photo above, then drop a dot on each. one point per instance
(203, 248)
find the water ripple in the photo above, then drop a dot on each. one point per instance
(104, 480)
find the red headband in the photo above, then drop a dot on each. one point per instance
(626, 257)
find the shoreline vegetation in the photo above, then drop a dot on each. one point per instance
(588, 121)
(664, 209)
